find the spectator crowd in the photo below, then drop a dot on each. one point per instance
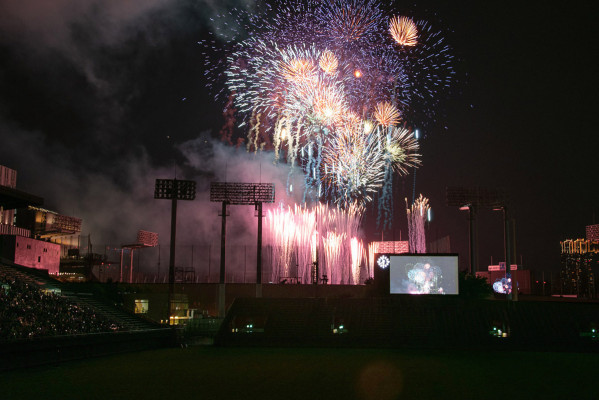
(27, 312)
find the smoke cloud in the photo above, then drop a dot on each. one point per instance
(100, 98)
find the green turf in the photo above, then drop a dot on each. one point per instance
(248, 373)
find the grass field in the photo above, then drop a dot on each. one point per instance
(204, 372)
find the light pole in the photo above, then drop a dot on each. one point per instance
(513, 295)
(239, 193)
(173, 189)
(472, 199)
(473, 235)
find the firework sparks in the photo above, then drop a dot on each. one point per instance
(357, 258)
(324, 85)
(417, 215)
(298, 236)
(328, 62)
(298, 70)
(404, 31)
(402, 149)
(386, 114)
(328, 105)
(355, 166)
(350, 20)
(372, 250)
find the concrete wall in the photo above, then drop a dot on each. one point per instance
(31, 253)
(203, 297)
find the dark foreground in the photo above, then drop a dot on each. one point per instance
(311, 373)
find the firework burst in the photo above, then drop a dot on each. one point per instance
(298, 70)
(402, 149)
(328, 62)
(404, 31)
(324, 85)
(354, 166)
(348, 21)
(386, 114)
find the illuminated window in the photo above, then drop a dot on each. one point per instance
(141, 306)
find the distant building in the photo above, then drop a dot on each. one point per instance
(593, 232)
(8, 178)
(578, 259)
(46, 224)
(25, 235)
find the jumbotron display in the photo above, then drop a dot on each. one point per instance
(423, 274)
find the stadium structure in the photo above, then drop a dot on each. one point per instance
(402, 300)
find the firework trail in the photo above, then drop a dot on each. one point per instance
(372, 250)
(325, 85)
(357, 259)
(417, 215)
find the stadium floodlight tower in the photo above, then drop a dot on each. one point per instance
(472, 199)
(241, 194)
(144, 239)
(173, 189)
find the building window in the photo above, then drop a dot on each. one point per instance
(141, 306)
(39, 259)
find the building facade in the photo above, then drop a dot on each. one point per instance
(578, 260)
(31, 253)
(8, 178)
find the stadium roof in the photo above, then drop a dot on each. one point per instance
(12, 198)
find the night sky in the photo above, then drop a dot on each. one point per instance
(99, 98)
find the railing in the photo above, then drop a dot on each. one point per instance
(14, 230)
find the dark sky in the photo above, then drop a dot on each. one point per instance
(522, 123)
(97, 98)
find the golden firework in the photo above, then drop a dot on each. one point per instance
(298, 69)
(402, 150)
(328, 62)
(404, 31)
(351, 122)
(368, 127)
(386, 114)
(328, 105)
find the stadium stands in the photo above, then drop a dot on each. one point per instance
(27, 311)
(39, 324)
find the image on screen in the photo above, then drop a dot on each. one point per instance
(423, 274)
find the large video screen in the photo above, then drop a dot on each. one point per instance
(423, 274)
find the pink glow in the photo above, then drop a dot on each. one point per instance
(299, 236)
